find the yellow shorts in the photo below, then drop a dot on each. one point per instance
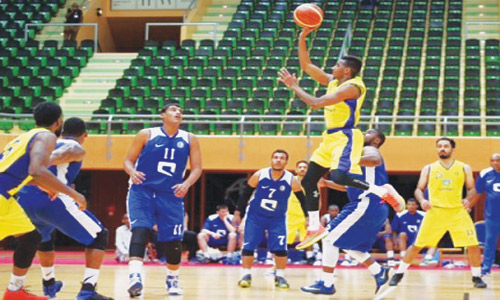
(292, 229)
(341, 150)
(13, 219)
(438, 220)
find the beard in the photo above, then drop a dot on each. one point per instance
(277, 169)
(444, 156)
(58, 132)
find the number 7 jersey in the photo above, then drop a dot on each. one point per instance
(270, 198)
(163, 159)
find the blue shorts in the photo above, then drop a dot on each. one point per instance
(411, 238)
(255, 232)
(357, 225)
(62, 214)
(147, 208)
(380, 242)
(218, 243)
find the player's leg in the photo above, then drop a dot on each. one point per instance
(277, 245)
(380, 273)
(203, 239)
(46, 254)
(330, 258)
(253, 235)
(231, 244)
(403, 244)
(492, 230)
(389, 247)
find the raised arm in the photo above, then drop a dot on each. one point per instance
(305, 61)
(133, 153)
(180, 190)
(421, 185)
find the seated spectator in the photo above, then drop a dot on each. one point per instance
(218, 232)
(406, 225)
(384, 243)
(122, 240)
(333, 211)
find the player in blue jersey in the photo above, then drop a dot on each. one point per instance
(218, 231)
(156, 163)
(26, 159)
(268, 190)
(489, 182)
(355, 229)
(59, 211)
(406, 224)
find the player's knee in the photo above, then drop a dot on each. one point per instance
(27, 245)
(280, 253)
(138, 242)
(403, 236)
(203, 236)
(339, 177)
(47, 246)
(173, 252)
(232, 236)
(247, 253)
(101, 240)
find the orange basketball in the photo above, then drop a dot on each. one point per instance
(308, 15)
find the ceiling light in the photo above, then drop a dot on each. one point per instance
(480, 6)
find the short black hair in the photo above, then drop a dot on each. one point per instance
(74, 127)
(221, 206)
(333, 206)
(280, 151)
(380, 135)
(166, 106)
(451, 141)
(300, 162)
(412, 200)
(46, 113)
(354, 63)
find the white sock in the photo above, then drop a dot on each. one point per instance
(173, 272)
(374, 268)
(377, 190)
(327, 278)
(402, 267)
(476, 271)
(229, 254)
(16, 282)
(269, 255)
(134, 266)
(245, 271)
(48, 273)
(91, 276)
(402, 253)
(280, 272)
(390, 254)
(309, 254)
(313, 220)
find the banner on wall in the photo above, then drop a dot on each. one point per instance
(149, 4)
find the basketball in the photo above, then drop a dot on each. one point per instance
(308, 15)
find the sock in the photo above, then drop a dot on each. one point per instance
(327, 278)
(16, 282)
(309, 254)
(90, 276)
(402, 254)
(245, 271)
(476, 271)
(135, 266)
(313, 220)
(280, 272)
(269, 255)
(390, 254)
(377, 190)
(48, 273)
(229, 254)
(402, 267)
(173, 272)
(374, 268)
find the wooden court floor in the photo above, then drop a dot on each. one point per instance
(220, 282)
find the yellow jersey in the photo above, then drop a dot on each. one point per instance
(294, 211)
(344, 114)
(15, 161)
(445, 185)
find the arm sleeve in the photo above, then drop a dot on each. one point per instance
(243, 200)
(480, 188)
(302, 199)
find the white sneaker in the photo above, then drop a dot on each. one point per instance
(345, 263)
(173, 286)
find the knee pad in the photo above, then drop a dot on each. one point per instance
(339, 177)
(47, 246)
(138, 242)
(26, 249)
(101, 240)
(173, 251)
(247, 253)
(281, 253)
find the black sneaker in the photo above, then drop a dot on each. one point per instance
(479, 283)
(88, 293)
(396, 278)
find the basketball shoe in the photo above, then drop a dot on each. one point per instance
(135, 285)
(173, 288)
(51, 287)
(312, 237)
(393, 198)
(88, 293)
(246, 281)
(319, 288)
(22, 295)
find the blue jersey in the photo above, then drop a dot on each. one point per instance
(374, 175)
(489, 182)
(163, 159)
(408, 223)
(270, 198)
(215, 224)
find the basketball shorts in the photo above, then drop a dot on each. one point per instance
(438, 220)
(13, 219)
(293, 228)
(255, 231)
(340, 150)
(147, 207)
(62, 214)
(357, 225)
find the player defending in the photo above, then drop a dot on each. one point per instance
(24, 159)
(342, 145)
(63, 213)
(156, 163)
(444, 181)
(269, 189)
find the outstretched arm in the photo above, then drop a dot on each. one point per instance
(305, 61)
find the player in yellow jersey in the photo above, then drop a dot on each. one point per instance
(25, 160)
(446, 210)
(342, 145)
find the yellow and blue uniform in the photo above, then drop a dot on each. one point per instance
(296, 220)
(14, 165)
(444, 189)
(342, 143)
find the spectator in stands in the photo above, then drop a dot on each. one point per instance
(74, 15)
(333, 211)
(122, 240)
(406, 224)
(218, 232)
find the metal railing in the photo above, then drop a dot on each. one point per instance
(191, 6)
(214, 33)
(95, 25)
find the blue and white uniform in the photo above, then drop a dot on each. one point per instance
(489, 182)
(408, 223)
(163, 160)
(267, 211)
(215, 224)
(62, 213)
(357, 225)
